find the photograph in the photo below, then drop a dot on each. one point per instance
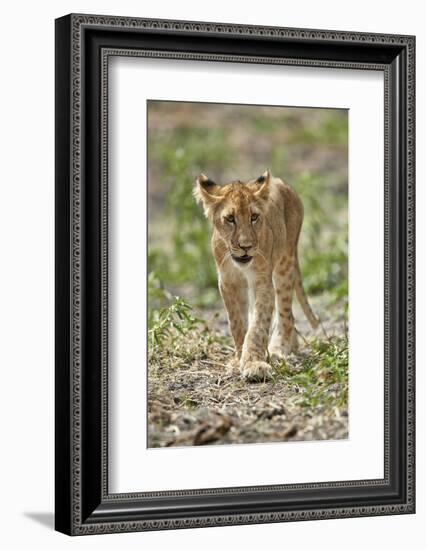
(234, 273)
(248, 338)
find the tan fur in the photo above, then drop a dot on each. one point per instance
(261, 220)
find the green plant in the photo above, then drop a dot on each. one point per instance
(324, 237)
(321, 377)
(331, 130)
(171, 322)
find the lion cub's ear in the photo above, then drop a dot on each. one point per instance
(206, 192)
(263, 181)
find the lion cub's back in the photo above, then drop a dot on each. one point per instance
(287, 210)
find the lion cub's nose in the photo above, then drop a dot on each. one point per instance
(245, 247)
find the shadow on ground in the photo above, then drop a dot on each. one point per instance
(47, 519)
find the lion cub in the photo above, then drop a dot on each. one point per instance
(256, 228)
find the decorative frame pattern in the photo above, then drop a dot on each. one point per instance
(83, 504)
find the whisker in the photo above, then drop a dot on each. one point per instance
(261, 255)
(226, 257)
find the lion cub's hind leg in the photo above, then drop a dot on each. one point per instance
(284, 337)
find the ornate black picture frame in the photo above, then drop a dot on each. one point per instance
(83, 45)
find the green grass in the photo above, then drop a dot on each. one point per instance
(321, 377)
(327, 129)
(324, 238)
(176, 336)
(316, 379)
(331, 132)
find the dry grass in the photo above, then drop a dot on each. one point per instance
(194, 399)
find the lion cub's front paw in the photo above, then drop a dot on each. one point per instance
(256, 371)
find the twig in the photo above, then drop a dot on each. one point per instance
(328, 338)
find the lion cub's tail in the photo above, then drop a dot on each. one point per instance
(303, 300)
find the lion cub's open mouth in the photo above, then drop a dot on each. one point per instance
(242, 259)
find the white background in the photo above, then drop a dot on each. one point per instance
(26, 302)
(360, 456)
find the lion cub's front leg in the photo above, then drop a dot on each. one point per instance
(234, 294)
(253, 365)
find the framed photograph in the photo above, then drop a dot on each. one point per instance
(234, 274)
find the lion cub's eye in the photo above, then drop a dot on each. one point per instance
(254, 217)
(230, 219)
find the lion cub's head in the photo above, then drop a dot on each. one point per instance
(237, 211)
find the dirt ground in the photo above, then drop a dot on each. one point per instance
(198, 401)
